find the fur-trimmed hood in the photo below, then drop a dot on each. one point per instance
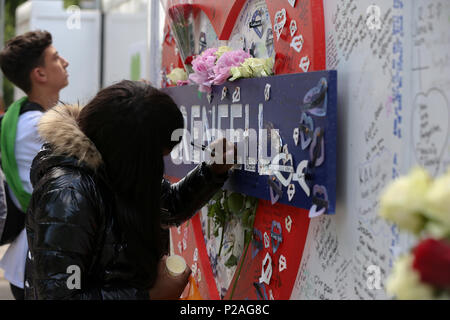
(59, 127)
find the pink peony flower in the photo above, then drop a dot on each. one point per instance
(228, 60)
(203, 70)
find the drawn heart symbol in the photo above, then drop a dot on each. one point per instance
(257, 242)
(293, 27)
(296, 135)
(280, 21)
(291, 192)
(292, 3)
(304, 64)
(430, 129)
(257, 24)
(297, 44)
(316, 99)
(276, 161)
(307, 128)
(276, 235)
(276, 191)
(317, 149)
(320, 200)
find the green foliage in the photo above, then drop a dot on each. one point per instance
(226, 206)
(68, 3)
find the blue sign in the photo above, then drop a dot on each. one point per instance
(285, 130)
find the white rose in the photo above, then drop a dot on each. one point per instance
(402, 202)
(176, 75)
(437, 201)
(404, 282)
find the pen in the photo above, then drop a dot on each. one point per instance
(203, 147)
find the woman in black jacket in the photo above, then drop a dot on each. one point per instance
(100, 199)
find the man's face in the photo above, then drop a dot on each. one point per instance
(55, 69)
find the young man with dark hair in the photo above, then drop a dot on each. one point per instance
(31, 62)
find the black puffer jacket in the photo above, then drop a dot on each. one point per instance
(70, 219)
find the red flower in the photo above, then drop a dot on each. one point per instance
(189, 60)
(432, 261)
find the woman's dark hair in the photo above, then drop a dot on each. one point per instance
(22, 54)
(131, 123)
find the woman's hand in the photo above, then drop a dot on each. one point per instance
(166, 286)
(222, 160)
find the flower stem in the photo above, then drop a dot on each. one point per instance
(221, 238)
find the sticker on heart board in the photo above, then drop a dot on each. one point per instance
(292, 3)
(279, 23)
(266, 270)
(267, 92)
(297, 43)
(276, 235)
(257, 23)
(266, 240)
(224, 93)
(305, 63)
(300, 176)
(282, 263)
(306, 132)
(293, 27)
(288, 223)
(296, 136)
(430, 129)
(291, 192)
(317, 149)
(257, 242)
(275, 189)
(237, 95)
(320, 202)
(316, 99)
(285, 158)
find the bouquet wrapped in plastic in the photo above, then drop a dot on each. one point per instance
(181, 15)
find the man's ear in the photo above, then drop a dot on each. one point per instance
(38, 75)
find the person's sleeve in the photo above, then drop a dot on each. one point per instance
(28, 144)
(64, 233)
(181, 200)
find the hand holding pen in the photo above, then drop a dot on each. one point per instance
(219, 163)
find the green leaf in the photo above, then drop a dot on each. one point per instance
(218, 196)
(235, 203)
(232, 261)
(251, 221)
(247, 237)
(245, 217)
(211, 211)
